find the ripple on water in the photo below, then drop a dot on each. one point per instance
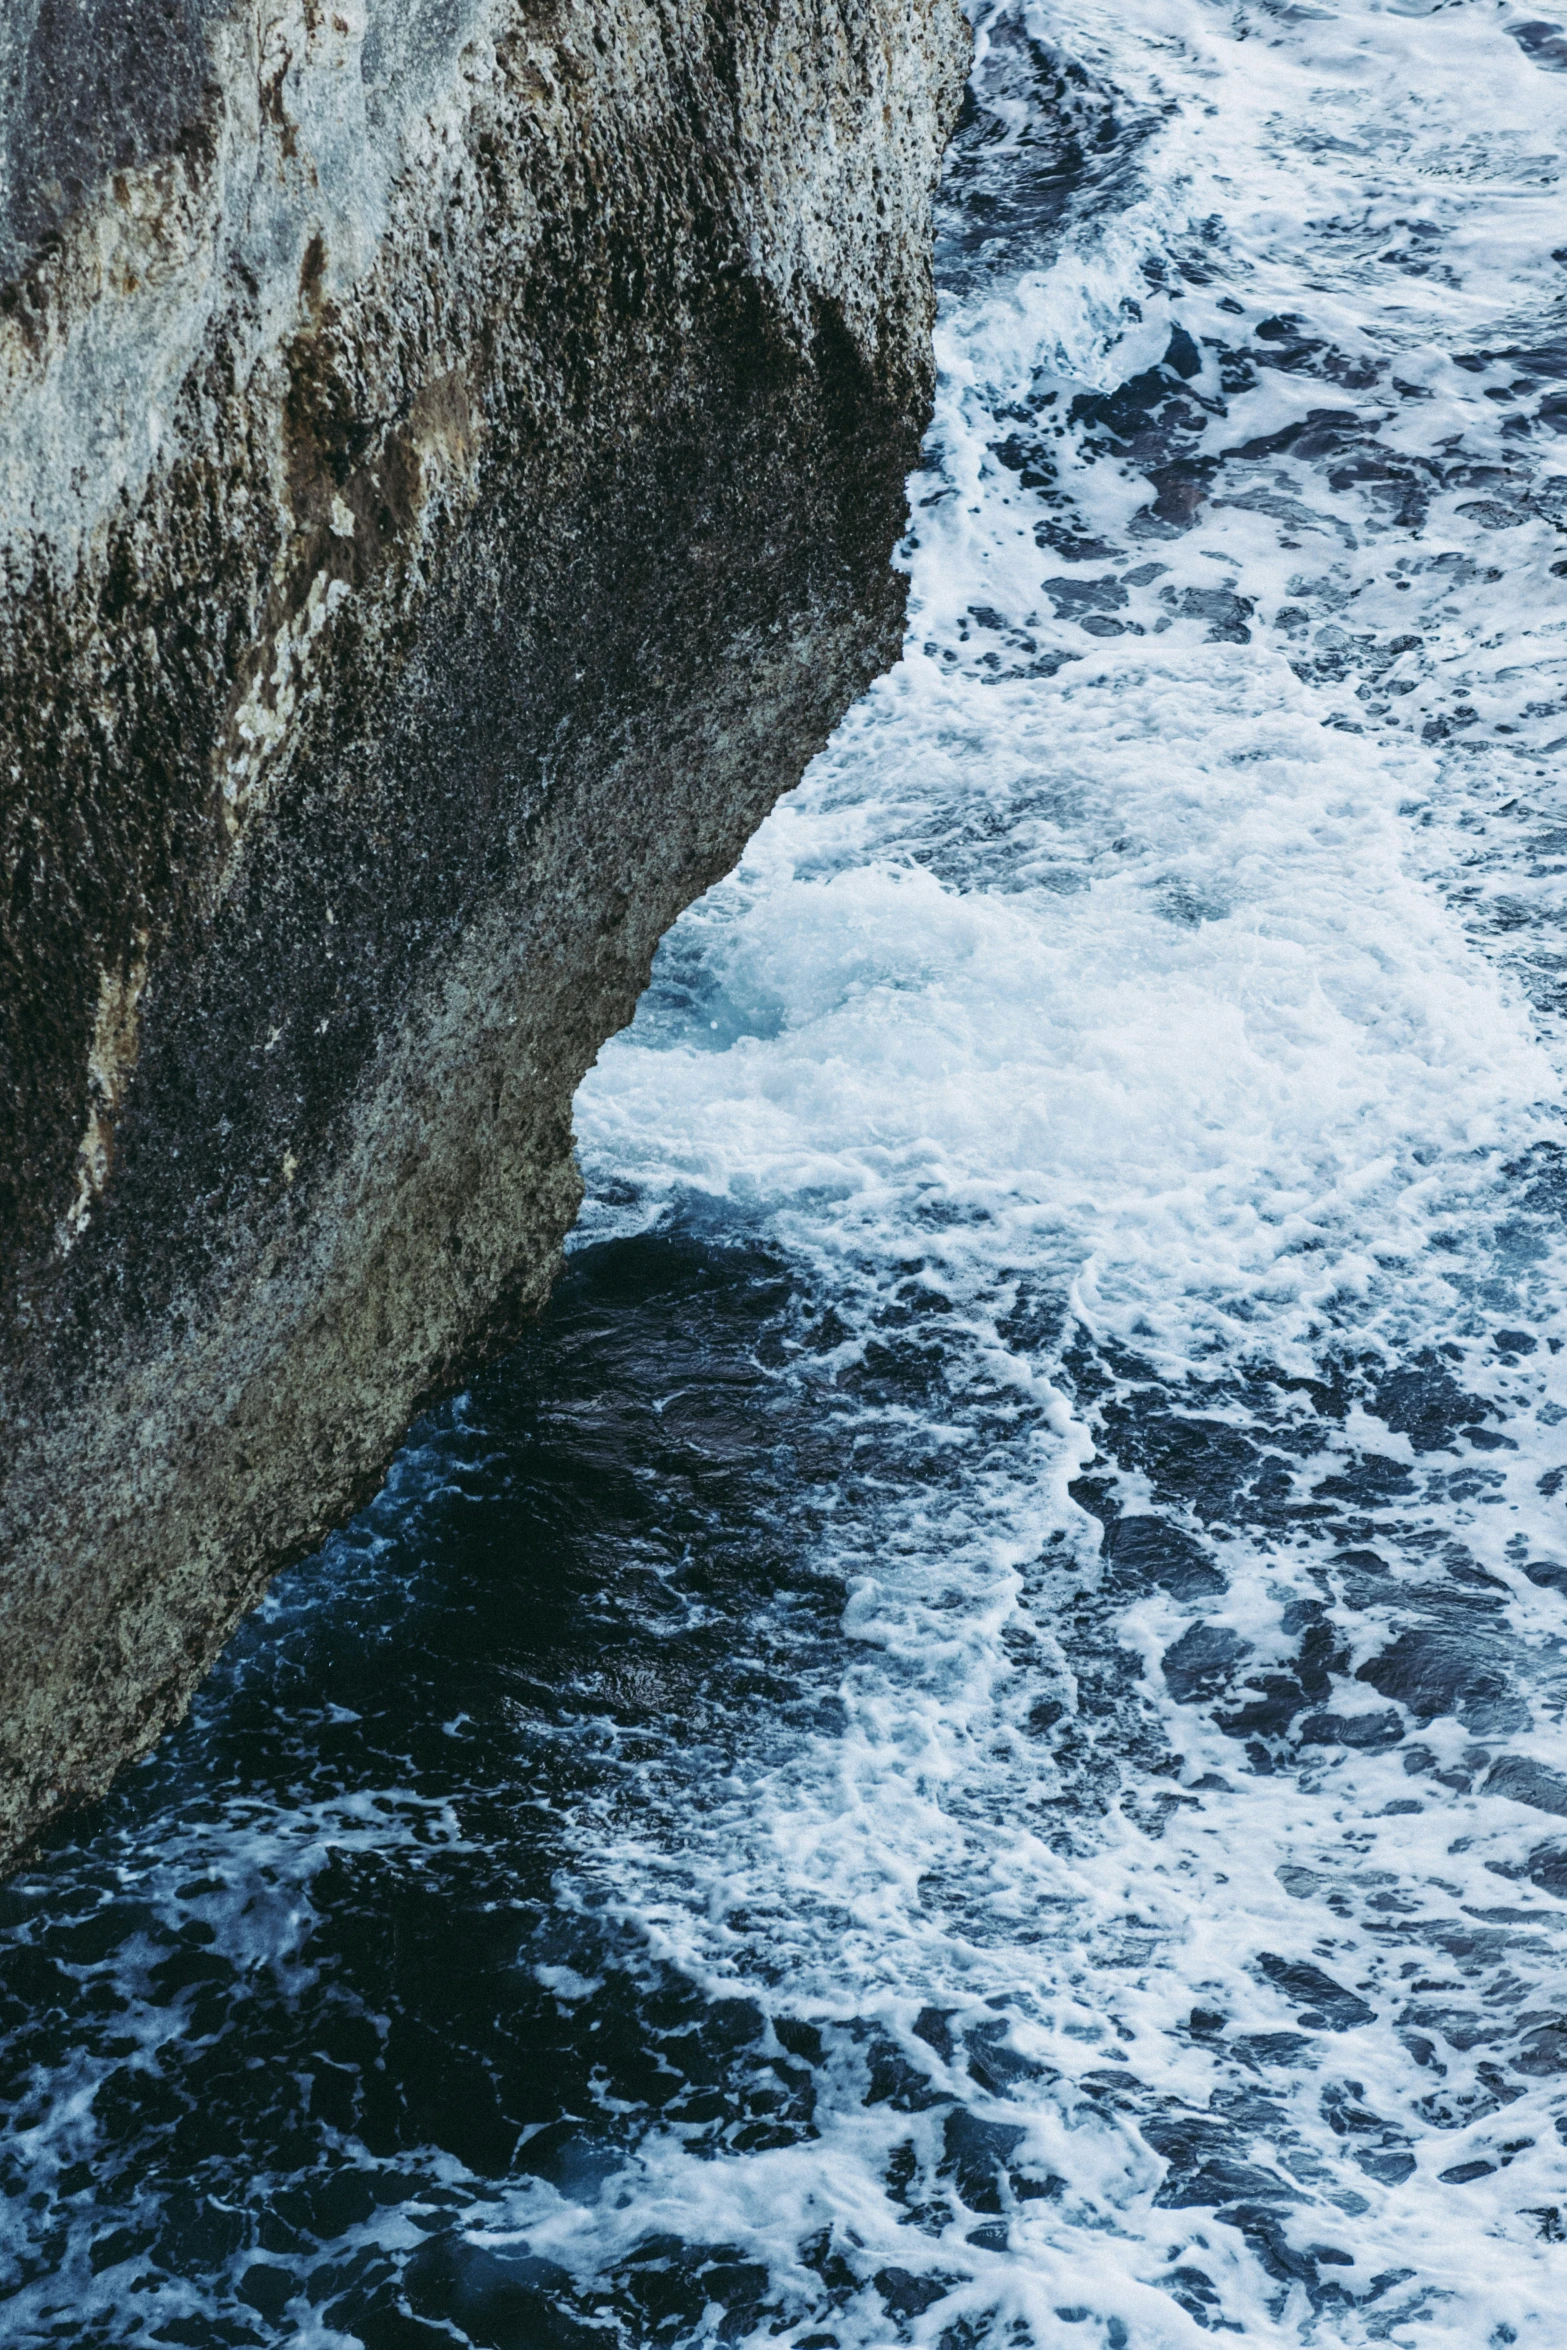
(966, 1744)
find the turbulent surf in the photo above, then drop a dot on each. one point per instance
(966, 1744)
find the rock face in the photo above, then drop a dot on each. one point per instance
(450, 452)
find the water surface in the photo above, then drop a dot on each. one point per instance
(966, 1744)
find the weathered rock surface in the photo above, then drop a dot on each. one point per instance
(450, 452)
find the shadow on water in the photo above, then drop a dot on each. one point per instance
(301, 1990)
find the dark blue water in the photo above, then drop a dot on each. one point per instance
(278, 2012)
(966, 1744)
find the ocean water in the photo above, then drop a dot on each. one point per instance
(966, 1745)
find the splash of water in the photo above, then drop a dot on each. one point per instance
(967, 1746)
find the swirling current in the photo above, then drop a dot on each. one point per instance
(966, 1744)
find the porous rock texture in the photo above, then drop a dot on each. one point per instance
(450, 453)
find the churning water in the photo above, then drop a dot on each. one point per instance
(967, 1744)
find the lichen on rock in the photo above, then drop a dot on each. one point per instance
(449, 460)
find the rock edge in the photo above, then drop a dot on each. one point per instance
(450, 453)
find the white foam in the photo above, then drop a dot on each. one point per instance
(1145, 986)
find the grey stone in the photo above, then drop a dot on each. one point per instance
(450, 452)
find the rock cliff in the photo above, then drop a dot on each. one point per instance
(450, 452)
